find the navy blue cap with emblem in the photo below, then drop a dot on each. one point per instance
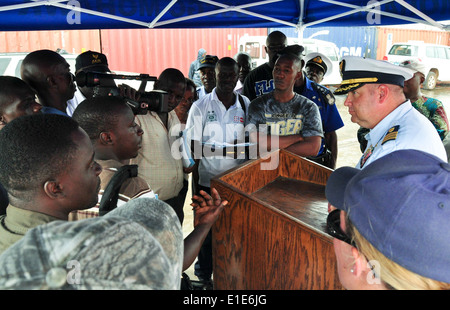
(358, 71)
(400, 203)
(209, 61)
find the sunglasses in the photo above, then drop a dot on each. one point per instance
(334, 227)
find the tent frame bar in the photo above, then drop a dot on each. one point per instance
(241, 9)
(356, 9)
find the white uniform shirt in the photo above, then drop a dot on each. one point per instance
(403, 128)
(212, 123)
(72, 104)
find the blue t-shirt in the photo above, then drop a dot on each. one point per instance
(324, 99)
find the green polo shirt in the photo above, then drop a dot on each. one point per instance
(15, 224)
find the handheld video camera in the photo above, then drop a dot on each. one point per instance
(155, 100)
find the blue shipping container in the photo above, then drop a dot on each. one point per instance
(352, 41)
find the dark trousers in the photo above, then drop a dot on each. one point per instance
(177, 203)
(203, 266)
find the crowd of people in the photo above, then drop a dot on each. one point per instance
(63, 145)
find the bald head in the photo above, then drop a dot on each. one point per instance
(277, 36)
(38, 65)
(275, 42)
(48, 73)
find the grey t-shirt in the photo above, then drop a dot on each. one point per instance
(297, 116)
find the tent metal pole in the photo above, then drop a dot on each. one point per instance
(227, 8)
(360, 9)
(152, 24)
(300, 26)
(91, 12)
(420, 14)
(241, 8)
(25, 5)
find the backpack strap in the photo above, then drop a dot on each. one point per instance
(111, 193)
(241, 100)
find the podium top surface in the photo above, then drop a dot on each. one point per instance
(301, 200)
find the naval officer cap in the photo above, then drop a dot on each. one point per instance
(319, 60)
(358, 71)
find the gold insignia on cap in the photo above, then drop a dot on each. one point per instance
(341, 68)
(318, 59)
(95, 59)
(361, 80)
(347, 87)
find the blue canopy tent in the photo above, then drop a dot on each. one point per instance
(18, 15)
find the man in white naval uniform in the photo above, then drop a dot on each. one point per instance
(376, 101)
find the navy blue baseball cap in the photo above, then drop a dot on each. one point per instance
(209, 61)
(401, 204)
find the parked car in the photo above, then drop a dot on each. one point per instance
(10, 62)
(10, 65)
(255, 46)
(436, 59)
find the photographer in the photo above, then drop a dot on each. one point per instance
(96, 62)
(163, 170)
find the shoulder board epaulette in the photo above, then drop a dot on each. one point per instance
(391, 134)
(325, 92)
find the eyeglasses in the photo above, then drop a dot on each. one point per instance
(334, 227)
(277, 47)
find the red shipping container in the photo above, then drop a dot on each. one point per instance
(153, 50)
(74, 42)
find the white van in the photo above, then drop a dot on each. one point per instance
(436, 59)
(10, 63)
(255, 46)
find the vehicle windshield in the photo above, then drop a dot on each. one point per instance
(4, 64)
(328, 51)
(403, 50)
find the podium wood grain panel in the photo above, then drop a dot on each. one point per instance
(271, 234)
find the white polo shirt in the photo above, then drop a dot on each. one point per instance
(212, 123)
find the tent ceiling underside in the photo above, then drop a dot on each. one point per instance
(114, 14)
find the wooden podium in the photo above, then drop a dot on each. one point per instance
(272, 233)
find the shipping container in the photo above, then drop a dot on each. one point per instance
(370, 42)
(153, 50)
(351, 41)
(134, 50)
(74, 42)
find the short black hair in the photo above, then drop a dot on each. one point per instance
(34, 149)
(99, 114)
(167, 77)
(10, 87)
(227, 61)
(192, 84)
(298, 62)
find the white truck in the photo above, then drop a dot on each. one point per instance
(255, 46)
